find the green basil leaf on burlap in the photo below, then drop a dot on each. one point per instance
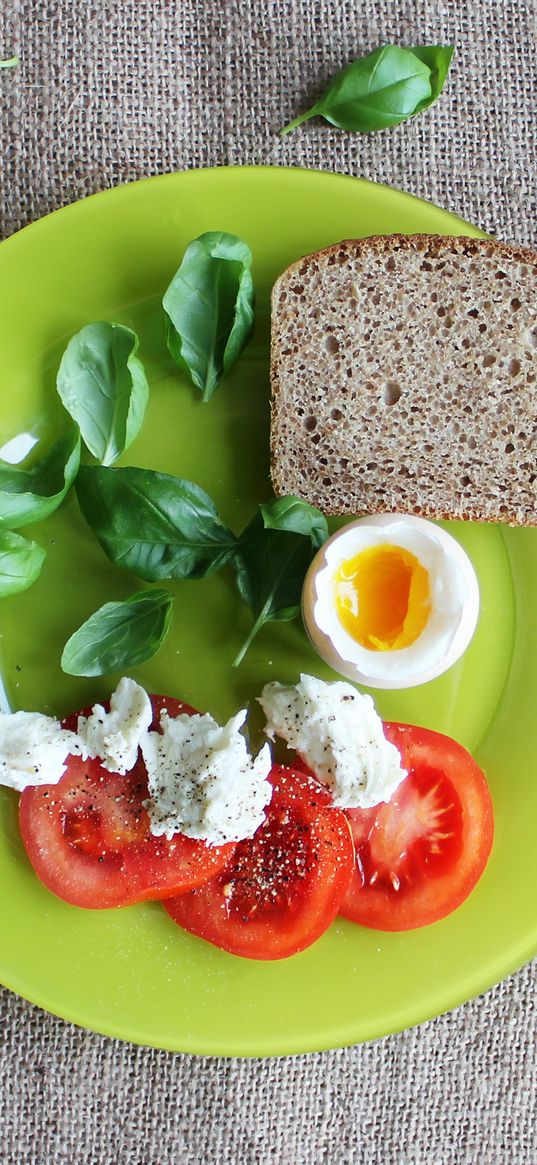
(382, 89)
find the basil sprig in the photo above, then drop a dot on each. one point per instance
(209, 308)
(20, 563)
(163, 527)
(119, 635)
(274, 554)
(103, 386)
(382, 89)
(29, 495)
(156, 525)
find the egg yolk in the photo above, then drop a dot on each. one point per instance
(383, 597)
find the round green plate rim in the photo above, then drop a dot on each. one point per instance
(323, 1034)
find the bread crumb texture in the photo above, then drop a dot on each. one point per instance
(403, 376)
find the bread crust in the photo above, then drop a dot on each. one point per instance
(380, 244)
(515, 510)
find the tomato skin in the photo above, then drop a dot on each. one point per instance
(258, 906)
(89, 841)
(406, 875)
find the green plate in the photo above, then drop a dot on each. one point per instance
(131, 972)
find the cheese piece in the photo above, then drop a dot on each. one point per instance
(338, 733)
(33, 749)
(114, 737)
(202, 780)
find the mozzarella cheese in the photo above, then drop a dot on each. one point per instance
(338, 733)
(114, 737)
(202, 780)
(33, 749)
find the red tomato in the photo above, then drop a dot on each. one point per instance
(89, 841)
(419, 856)
(283, 887)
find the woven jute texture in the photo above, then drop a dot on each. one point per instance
(109, 92)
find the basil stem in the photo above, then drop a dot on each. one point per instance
(156, 525)
(29, 495)
(382, 89)
(103, 386)
(209, 308)
(119, 635)
(20, 563)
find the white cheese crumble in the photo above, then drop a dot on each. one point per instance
(202, 780)
(114, 737)
(338, 733)
(33, 749)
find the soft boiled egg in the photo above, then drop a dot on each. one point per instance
(391, 601)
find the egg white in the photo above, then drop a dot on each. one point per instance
(454, 594)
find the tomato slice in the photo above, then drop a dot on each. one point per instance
(89, 841)
(419, 855)
(283, 887)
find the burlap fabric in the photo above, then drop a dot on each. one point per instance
(108, 92)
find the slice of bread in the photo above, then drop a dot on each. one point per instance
(404, 378)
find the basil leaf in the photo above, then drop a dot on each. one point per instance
(119, 635)
(29, 495)
(382, 89)
(209, 308)
(9, 62)
(437, 57)
(297, 517)
(20, 563)
(103, 386)
(274, 554)
(158, 526)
